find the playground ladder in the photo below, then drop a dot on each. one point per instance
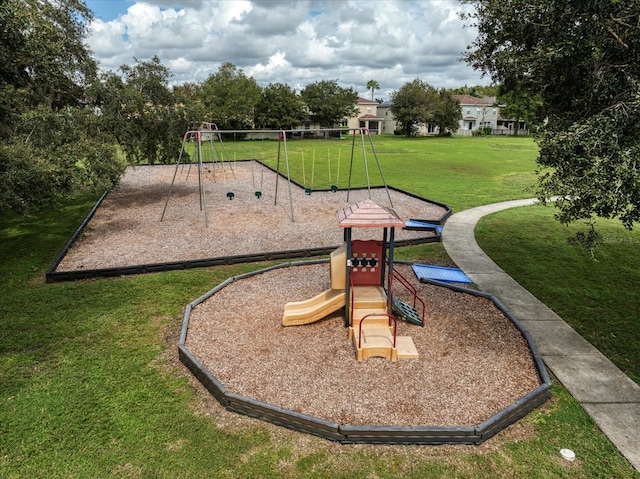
(405, 311)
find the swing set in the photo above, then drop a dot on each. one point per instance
(365, 138)
(334, 186)
(216, 155)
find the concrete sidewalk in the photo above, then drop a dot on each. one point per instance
(605, 392)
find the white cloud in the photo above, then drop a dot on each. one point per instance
(294, 42)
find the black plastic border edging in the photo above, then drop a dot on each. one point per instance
(349, 434)
(75, 236)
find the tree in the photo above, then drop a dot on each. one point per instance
(43, 58)
(518, 106)
(280, 107)
(138, 107)
(373, 85)
(582, 59)
(51, 145)
(229, 98)
(446, 114)
(329, 103)
(479, 91)
(413, 104)
(188, 106)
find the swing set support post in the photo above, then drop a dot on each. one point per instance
(203, 202)
(282, 139)
(201, 194)
(173, 180)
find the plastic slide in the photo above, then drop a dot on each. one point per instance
(304, 312)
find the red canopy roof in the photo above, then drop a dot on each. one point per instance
(367, 214)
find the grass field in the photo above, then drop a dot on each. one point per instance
(455, 170)
(90, 385)
(597, 297)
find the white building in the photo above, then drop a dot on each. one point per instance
(477, 113)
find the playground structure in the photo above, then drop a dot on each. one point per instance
(209, 150)
(359, 279)
(362, 278)
(314, 358)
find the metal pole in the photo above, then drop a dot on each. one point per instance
(347, 286)
(184, 139)
(203, 200)
(353, 146)
(366, 166)
(390, 294)
(275, 200)
(384, 182)
(286, 159)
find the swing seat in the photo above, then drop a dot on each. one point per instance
(258, 194)
(230, 195)
(334, 188)
(307, 191)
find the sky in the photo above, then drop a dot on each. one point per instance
(293, 42)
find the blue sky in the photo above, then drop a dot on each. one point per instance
(108, 9)
(292, 42)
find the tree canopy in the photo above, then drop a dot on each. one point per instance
(43, 59)
(50, 145)
(372, 86)
(582, 60)
(447, 113)
(328, 103)
(139, 108)
(229, 98)
(413, 104)
(280, 107)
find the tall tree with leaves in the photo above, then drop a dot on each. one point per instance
(328, 103)
(138, 107)
(446, 114)
(50, 144)
(582, 59)
(518, 106)
(280, 107)
(43, 58)
(189, 107)
(414, 104)
(229, 98)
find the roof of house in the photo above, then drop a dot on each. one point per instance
(474, 100)
(369, 116)
(365, 101)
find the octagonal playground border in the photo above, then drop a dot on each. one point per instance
(352, 434)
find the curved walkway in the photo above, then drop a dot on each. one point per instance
(610, 397)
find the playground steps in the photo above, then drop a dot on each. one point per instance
(375, 316)
(377, 341)
(377, 335)
(369, 297)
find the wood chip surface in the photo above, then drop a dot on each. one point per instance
(126, 229)
(472, 361)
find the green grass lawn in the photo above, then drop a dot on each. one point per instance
(90, 385)
(460, 172)
(598, 298)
